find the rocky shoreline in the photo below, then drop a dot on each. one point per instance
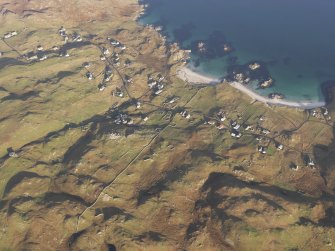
(192, 77)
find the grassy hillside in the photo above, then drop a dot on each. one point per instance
(73, 177)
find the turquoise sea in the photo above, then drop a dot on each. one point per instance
(294, 40)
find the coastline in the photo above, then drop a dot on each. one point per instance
(192, 77)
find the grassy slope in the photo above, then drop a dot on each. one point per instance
(173, 183)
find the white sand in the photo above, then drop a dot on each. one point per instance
(280, 102)
(192, 77)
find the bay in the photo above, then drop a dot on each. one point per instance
(293, 39)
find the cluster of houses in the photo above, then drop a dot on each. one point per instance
(263, 140)
(117, 44)
(118, 93)
(236, 130)
(138, 104)
(75, 37)
(123, 119)
(102, 86)
(217, 121)
(128, 79)
(41, 54)
(321, 113)
(171, 100)
(116, 59)
(87, 65)
(263, 130)
(89, 75)
(156, 84)
(264, 149)
(10, 34)
(62, 33)
(294, 166)
(309, 162)
(279, 146)
(115, 56)
(185, 114)
(105, 53)
(220, 117)
(114, 135)
(108, 72)
(63, 53)
(38, 55)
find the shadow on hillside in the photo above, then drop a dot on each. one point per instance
(218, 182)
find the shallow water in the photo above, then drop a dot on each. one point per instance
(293, 39)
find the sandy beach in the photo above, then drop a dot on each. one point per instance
(192, 77)
(279, 102)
